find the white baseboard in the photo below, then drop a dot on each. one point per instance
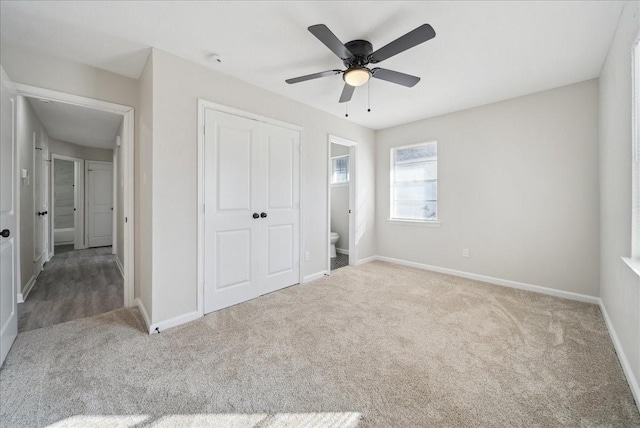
(314, 276)
(622, 357)
(143, 311)
(341, 251)
(27, 289)
(497, 281)
(367, 260)
(120, 268)
(174, 322)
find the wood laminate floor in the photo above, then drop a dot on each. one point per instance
(73, 284)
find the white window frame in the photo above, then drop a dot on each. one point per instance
(340, 183)
(392, 164)
(634, 260)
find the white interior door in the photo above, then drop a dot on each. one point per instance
(252, 209)
(281, 197)
(99, 203)
(232, 234)
(8, 221)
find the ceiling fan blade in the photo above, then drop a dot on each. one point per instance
(395, 77)
(313, 76)
(330, 40)
(412, 38)
(347, 93)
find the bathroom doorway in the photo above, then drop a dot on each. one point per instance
(341, 202)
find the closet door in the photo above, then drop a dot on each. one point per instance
(280, 263)
(232, 246)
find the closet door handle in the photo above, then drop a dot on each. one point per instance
(5, 233)
(263, 215)
(256, 215)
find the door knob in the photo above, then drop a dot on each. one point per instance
(45, 213)
(263, 215)
(256, 215)
(5, 233)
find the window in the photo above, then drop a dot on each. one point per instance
(340, 169)
(414, 182)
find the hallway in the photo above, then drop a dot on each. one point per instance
(73, 284)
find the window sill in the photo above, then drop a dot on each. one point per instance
(340, 184)
(633, 263)
(423, 223)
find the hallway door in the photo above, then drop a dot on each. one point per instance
(99, 203)
(8, 223)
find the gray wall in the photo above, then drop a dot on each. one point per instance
(143, 152)
(27, 124)
(81, 152)
(119, 189)
(340, 204)
(619, 285)
(63, 189)
(517, 186)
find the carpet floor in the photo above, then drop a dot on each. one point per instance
(72, 285)
(377, 345)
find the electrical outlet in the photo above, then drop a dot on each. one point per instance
(306, 256)
(465, 252)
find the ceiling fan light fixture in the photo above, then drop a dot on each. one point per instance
(357, 76)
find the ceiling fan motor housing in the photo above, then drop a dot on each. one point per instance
(361, 50)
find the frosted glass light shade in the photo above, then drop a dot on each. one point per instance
(357, 76)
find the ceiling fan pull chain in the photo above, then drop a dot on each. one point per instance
(346, 109)
(369, 95)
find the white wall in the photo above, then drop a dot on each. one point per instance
(517, 186)
(177, 84)
(340, 204)
(619, 286)
(27, 124)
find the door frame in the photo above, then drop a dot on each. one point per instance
(353, 195)
(202, 106)
(78, 197)
(127, 141)
(86, 201)
(45, 255)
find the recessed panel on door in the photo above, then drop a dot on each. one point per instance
(234, 168)
(280, 249)
(233, 258)
(7, 292)
(280, 171)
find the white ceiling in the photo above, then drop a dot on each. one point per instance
(78, 125)
(483, 51)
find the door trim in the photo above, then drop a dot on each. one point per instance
(78, 192)
(353, 197)
(128, 131)
(202, 106)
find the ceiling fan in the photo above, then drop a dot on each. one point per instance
(357, 54)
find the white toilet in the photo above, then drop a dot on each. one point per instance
(334, 239)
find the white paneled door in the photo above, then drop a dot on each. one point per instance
(99, 196)
(252, 209)
(8, 241)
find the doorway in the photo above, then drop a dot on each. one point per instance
(341, 202)
(85, 202)
(67, 203)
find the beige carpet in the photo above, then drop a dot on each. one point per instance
(376, 345)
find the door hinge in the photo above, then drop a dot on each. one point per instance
(126, 219)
